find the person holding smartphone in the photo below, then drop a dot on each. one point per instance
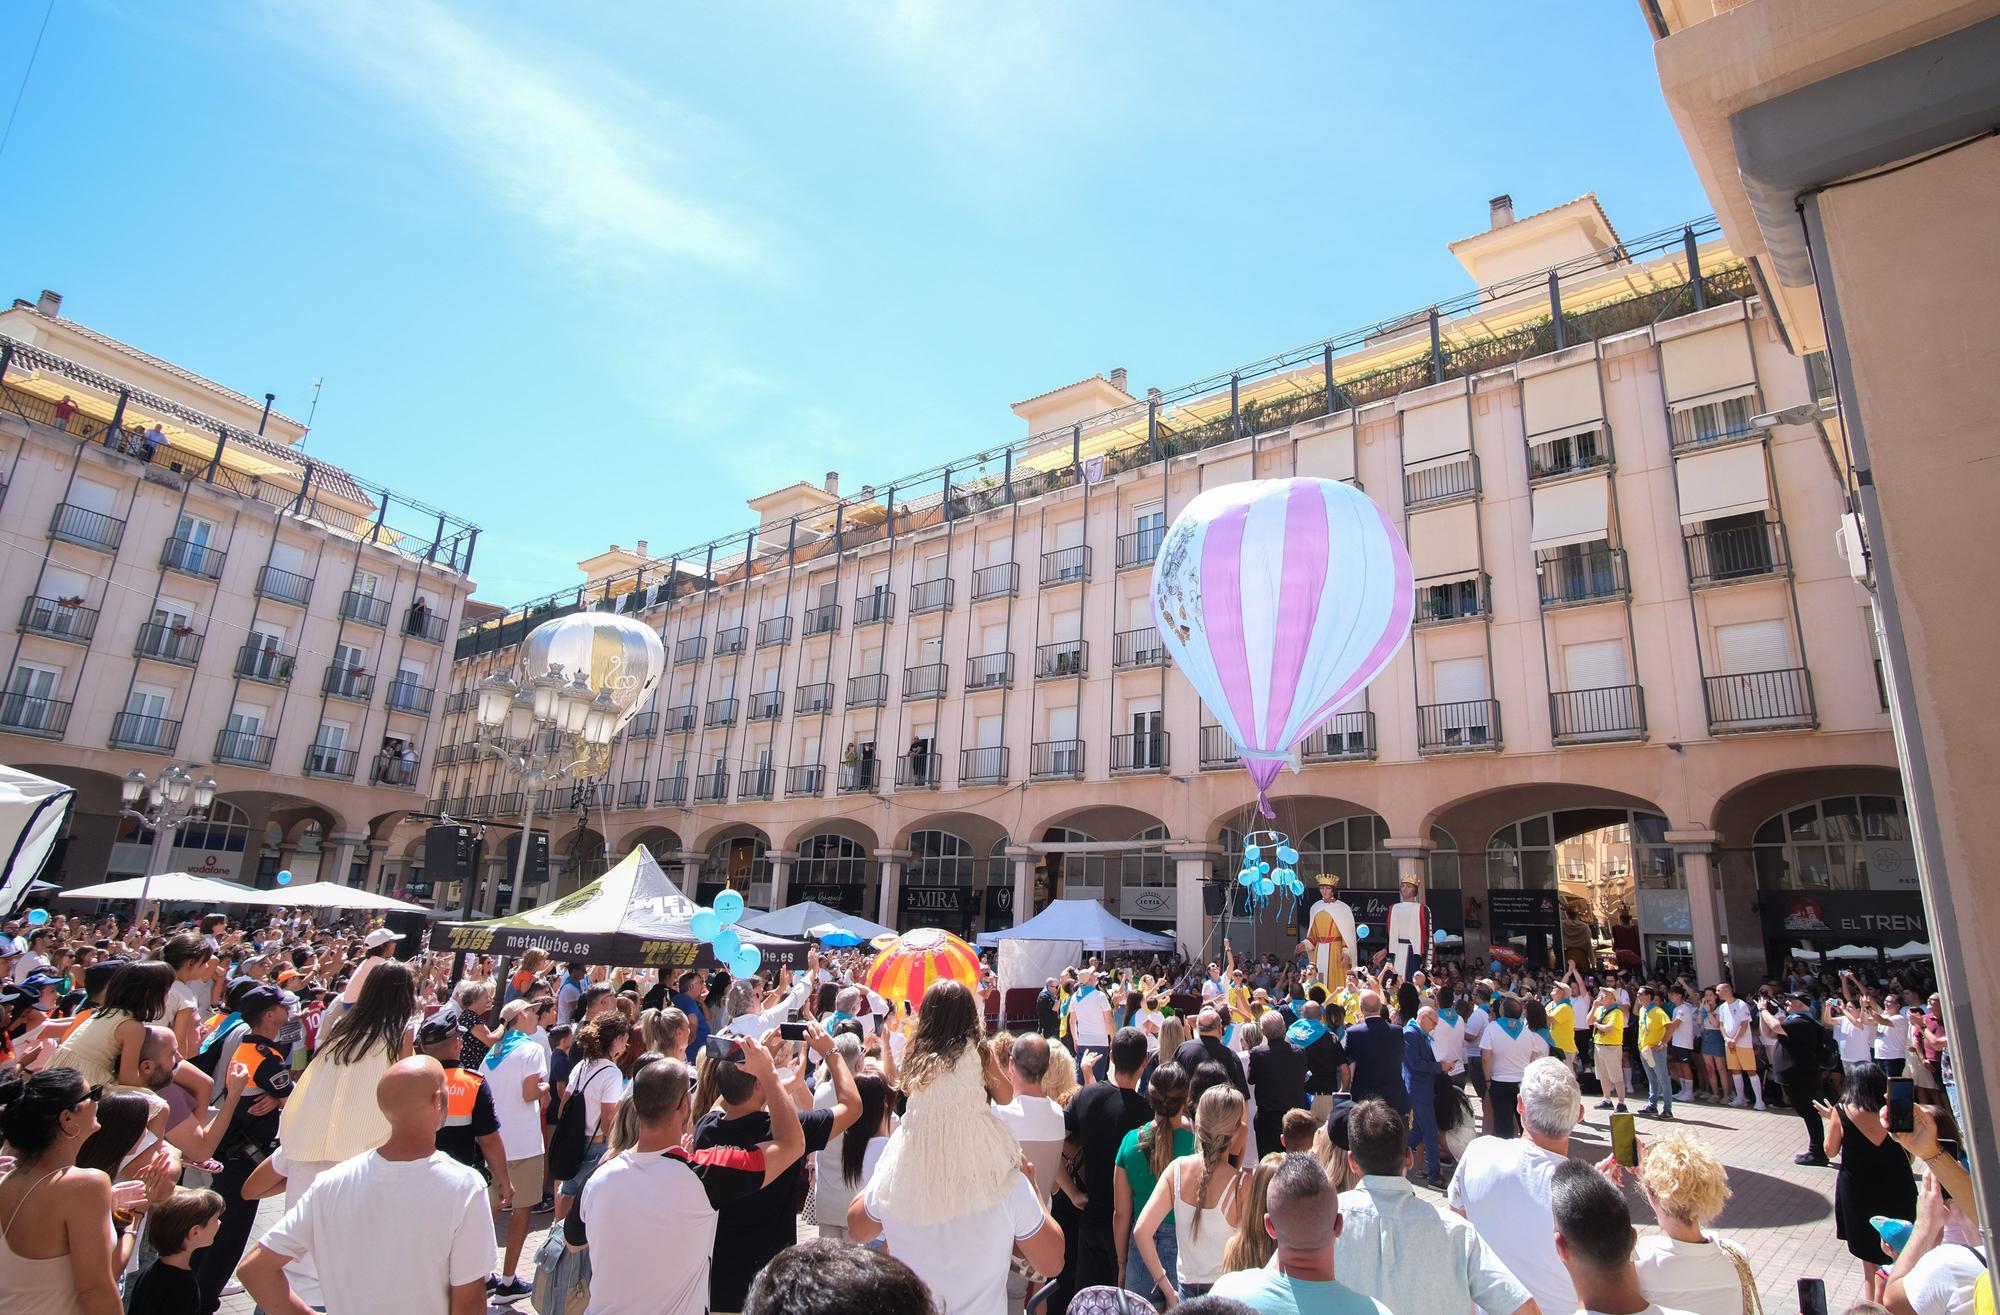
(1874, 1170)
(1801, 1041)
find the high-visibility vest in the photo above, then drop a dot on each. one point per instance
(461, 1093)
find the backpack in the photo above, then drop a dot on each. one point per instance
(568, 1142)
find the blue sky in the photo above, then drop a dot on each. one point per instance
(595, 273)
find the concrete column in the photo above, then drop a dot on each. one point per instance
(336, 856)
(781, 876)
(377, 852)
(1024, 884)
(690, 874)
(1192, 867)
(889, 886)
(487, 901)
(1697, 849)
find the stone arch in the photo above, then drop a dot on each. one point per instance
(737, 857)
(658, 840)
(1297, 816)
(1740, 810)
(852, 828)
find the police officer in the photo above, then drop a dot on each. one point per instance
(471, 1131)
(253, 1130)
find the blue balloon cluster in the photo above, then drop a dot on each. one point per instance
(285, 877)
(717, 927)
(37, 917)
(1264, 880)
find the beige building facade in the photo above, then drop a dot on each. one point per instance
(185, 585)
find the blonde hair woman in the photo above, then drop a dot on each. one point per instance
(1194, 1187)
(1253, 1246)
(1060, 1082)
(1173, 1032)
(1683, 1267)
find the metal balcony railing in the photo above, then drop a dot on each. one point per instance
(1613, 712)
(1760, 701)
(875, 606)
(930, 596)
(394, 771)
(756, 783)
(990, 671)
(1467, 726)
(690, 649)
(329, 761)
(679, 720)
(711, 787)
(1069, 657)
(867, 691)
(408, 696)
(1066, 565)
(1553, 458)
(632, 794)
(191, 558)
(272, 666)
(1709, 423)
(284, 586)
(924, 682)
(81, 525)
(59, 618)
(347, 683)
(1140, 547)
(1149, 752)
(774, 630)
(1348, 737)
(823, 620)
(1217, 749)
(1138, 648)
(508, 803)
(245, 748)
(1056, 760)
(1454, 600)
(1725, 556)
(364, 608)
(733, 640)
(129, 730)
(24, 714)
(1002, 580)
(422, 623)
(808, 779)
(1568, 580)
(168, 643)
(862, 777)
(670, 791)
(767, 705)
(983, 766)
(813, 698)
(460, 700)
(1441, 481)
(719, 712)
(643, 726)
(920, 771)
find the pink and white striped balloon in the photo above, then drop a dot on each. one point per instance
(1280, 600)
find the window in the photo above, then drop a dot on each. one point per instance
(1849, 842)
(1074, 876)
(1752, 646)
(939, 858)
(1350, 848)
(31, 691)
(831, 860)
(1712, 422)
(367, 583)
(1147, 867)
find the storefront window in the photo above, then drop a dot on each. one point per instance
(1079, 876)
(738, 863)
(1614, 874)
(938, 858)
(1849, 842)
(830, 860)
(1443, 860)
(1146, 867)
(1351, 848)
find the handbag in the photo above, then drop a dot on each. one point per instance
(562, 1277)
(1752, 1303)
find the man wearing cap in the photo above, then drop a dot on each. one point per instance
(516, 1073)
(376, 946)
(1330, 940)
(471, 1131)
(252, 1134)
(1801, 1038)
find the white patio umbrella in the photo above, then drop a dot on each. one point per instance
(1851, 952)
(168, 888)
(1911, 950)
(333, 895)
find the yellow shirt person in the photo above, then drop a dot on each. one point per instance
(1607, 1024)
(1562, 1026)
(1654, 1024)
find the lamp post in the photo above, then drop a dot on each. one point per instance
(164, 804)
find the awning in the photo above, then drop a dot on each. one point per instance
(1565, 401)
(1573, 511)
(1440, 430)
(1444, 544)
(1729, 482)
(1329, 455)
(33, 812)
(1706, 367)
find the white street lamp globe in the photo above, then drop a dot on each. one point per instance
(574, 705)
(520, 717)
(496, 696)
(545, 688)
(133, 788)
(204, 794)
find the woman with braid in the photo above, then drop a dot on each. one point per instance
(1205, 1193)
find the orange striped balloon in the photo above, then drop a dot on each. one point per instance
(908, 965)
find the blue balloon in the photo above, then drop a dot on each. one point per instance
(285, 877)
(1264, 869)
(1439, 935)
(1247, 877)
(704, 924)
(1361, 932)
(746, 961)
(1497, 966)
(1251, 853)
(729, 907)
(1298, 887)
(1265, 885)
(727, 944)
(36, 917)
(1287, 854)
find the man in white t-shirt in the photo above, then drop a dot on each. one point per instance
(1892, 1035)
(1034, 1119)
(1680, 1046)
(1739, 1043)
(1853, 1029)
(400, 1227)
(1502, 1184)
(516, 1071)
(1089, 1015)
(1506, 1048)
(32, 958)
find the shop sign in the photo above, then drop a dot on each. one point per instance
(1371, 909)
(1157, 903)
(1890, 917)
(835, 895)
(1665, 913)
(1891, 865)
(1523, 910)
(918, 901)
(1000, 901)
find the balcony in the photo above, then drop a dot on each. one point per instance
(1440, 481)
(1760, 701)
(874, 608)
(245, 748)
(774, 630)
(178, 644)
(1132, 649)
(348, 683)
(191, 558)
(463, 700)
(1710, 423)
(711, 787)
(1218, 751)
(81, 525)
(861, 777)
(670, 791)
(367, 609)
(1586, 716)
(643, 726)
(129, 730)
(408, 696)
(508, 803)
(333, 763)
(919, 771)
(1069, 657)
(422, 623)
(1349, 737)
(284, 586)
(59, 618)
(867, 691)
(756, 783)
(679, 720)
(767, 705)
(23, 714)
(1578, 579)
(1140, 753)
(930, 596)
(690, 649)
(1000, 581)
(813, 698)
(1735, 553)
(1454, 600)
(264, 663)
(1066, 566)
(823, 620)
(808, 780)
(983, 766)
(1056, 760)
(1552, 458)
(1465, 727)
(924, 682)
(733, 640)
(1140, 547)
(719, 712)
(394, 771)
(990, 671)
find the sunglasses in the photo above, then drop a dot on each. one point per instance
(90, 1097)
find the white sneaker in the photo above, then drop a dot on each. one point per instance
(1760, 1105)
(1738, 1102)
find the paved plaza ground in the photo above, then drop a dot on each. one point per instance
(1781, 1214)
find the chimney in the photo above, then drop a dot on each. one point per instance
(1502, 207)
(641, 548)
(50, 304)
(1118, 378)
(833, 483)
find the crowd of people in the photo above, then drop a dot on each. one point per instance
(1151, 1135)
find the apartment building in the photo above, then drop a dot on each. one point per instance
(941, 700)
(187, 586)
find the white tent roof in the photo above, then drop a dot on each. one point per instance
(1911, 950)
(796, 920)
(333, 895)
(32, 812)
(1084, 921)
(172, 888)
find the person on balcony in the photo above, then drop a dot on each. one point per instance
(420, 615)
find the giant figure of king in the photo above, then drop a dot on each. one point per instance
(1330, 940)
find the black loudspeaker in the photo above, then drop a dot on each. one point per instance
(538, 858)
(448, 853)
(1212, 896)
(413, 927)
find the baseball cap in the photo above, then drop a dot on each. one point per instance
(258, 998)
(99, 975)
(381, 936)
(514, 1009)
(436, 1028)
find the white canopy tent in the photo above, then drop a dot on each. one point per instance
(797, 920)
(170, 888)
(1086, 922)
(32, 812)
(1911, 950)
(333, 895)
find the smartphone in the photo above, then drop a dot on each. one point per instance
(1812, 1296)
(1624, 1141)
(1902, 1112)
(725, 1048)
(792, 1031)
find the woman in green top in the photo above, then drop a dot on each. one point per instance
(1142, 1157)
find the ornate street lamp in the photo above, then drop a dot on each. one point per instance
(163, 805)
